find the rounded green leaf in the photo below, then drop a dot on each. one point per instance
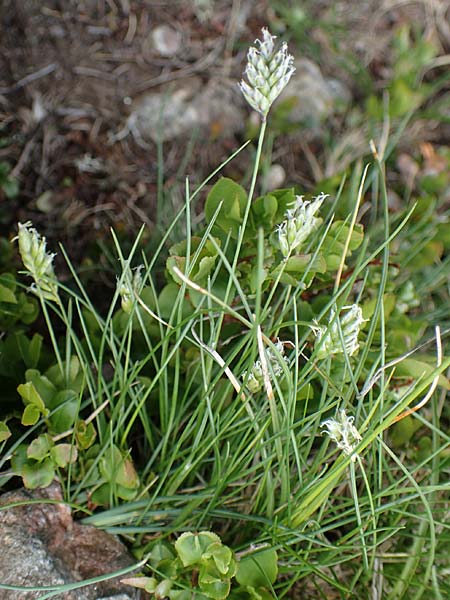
(259, 569)
(212, 583)
(232, 200)
(85, 434)
(66, 412)
(5, 432)
(40, 447)
(222, 556)
(30, 415)
(192, 546)
(7, 295)
(38, 475)
(64, 454)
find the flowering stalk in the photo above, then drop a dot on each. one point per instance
(268, 72)
(38, 262)
(299, 223)
(129, 286)
(255, 378)
(342, 431)
(341, 334)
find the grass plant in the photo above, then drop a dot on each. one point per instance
(200, 401)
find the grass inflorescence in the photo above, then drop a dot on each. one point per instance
(258, 389)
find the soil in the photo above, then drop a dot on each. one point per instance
(71, 73)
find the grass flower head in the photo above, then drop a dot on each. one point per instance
(268, 72)
(341, 334)
(130, 285)
(342, 431)
(255, 378)
(299, 223)
(37, 261)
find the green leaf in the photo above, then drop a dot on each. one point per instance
(233, 199)
(40, 447)
(85, 434)
(163, 588)
(264, 210)
(411, 367)
(212, 584)
(102, 495)
(5, 432)
(30, 415)
(74, 378)
(29, 309)
(303, 262)
(142, 583)
(10, 187)
(7, 295)
(30, 395)
(259, 569)
(65, 406)
(222, 556)
(201, 260)
(190, 547)
(400, 433)
(34, 351)
(30, 350)
(38, 475)
(119, 470)
(167, 299)
(43, 386)
(64, 454)
(126, 475)
(161, 553)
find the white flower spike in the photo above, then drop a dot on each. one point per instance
(129, 286)
(37, 261)
(300, 222)
(255, 379)
(342, 431)
(329, 340)
(268, 72)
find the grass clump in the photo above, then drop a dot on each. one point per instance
(196, 406)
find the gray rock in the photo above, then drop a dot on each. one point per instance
(315, 98)
(215, 109)
(275, 177)
(166, 40)
(41, 545)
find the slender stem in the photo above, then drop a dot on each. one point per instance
(251, 192)
(51, 332)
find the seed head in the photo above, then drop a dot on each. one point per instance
(268, 72)
(255, 378)
(342, 431)
(300, 222)
(341, 334)
(37, 261)
(129, 285)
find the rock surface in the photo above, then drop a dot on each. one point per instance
(41, 545)
(315, 97)
(166, 40)
(214, 109)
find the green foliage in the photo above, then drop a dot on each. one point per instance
(200, 564)
(53, 395)
(119, 475)
(8, 184)
(38, 462)
(199, 399)
(410, 56)
(15, 305)
(228, 199)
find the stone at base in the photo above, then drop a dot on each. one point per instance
(41, 545)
